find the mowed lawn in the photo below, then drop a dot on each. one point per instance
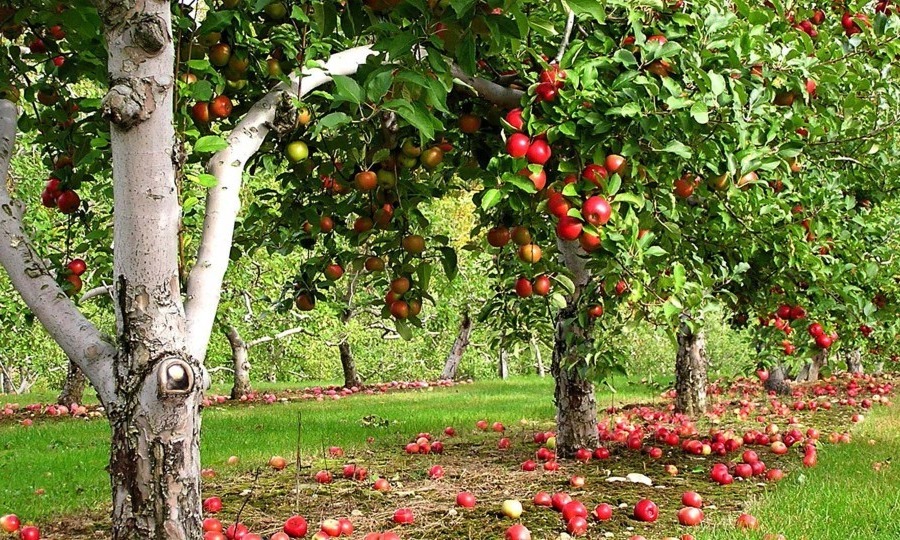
(844, 497)
(66, 458)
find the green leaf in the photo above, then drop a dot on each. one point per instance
(700, 112)
(678, 148)
(565, 283)
(491, 198)
(625, 57)
(679, 276)
(449, 262)
(717, 82)
(403, 329)
(465, 54)
(210, 143)
(594, 8)
(558, 301)
(655, 251)
(630, 198)
(333, 120)
(521, 182)
(417, 116)
(462, 7)
(348, 90)
(378, 84)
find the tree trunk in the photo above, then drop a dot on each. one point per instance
(690, 372)
(73, 387)
(810, 372)
(240, 359)
(155, 451)
(777, 381)
(502, 364)
(538, 358)
(854, 361)
(348, 364)
(6, 383)
(458, 349)
(576, 407)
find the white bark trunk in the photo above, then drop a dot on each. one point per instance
(458, 348)
(240, 362)
(76, 335)
(538, 358)
(810, 372)
(690, 372)
(155, 451)
(223, 202)
(854, 361)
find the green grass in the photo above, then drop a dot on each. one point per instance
(844, 497)
(66, 458)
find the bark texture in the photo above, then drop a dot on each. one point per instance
(854, 361)
(155, 452)
(348, 365)
(503, 364)
(73, 387)
(690, 372)
(777, 381)
(240, 360)
(538, 358)
(458, 348)
(810, 372)
(576, 406)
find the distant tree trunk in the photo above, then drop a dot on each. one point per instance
(538, 358)
(503, 365)
(73, 387)
(776, 381)
(348, 363)
(810, 372)
(458, 349)
(690, 372)
(240, 359)
(576, 407)
(6, 383)
(854, 361)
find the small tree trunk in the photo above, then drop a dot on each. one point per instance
(6, 384)
(503, 364)
(810, 372)
(73, 387)
(348, 363)
(240, 359)
(690, 372)
(458, 349)
(854, 361)
(538, 358)
(576, 407)
(776, 381)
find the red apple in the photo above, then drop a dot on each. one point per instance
(30, 533)
(465, 499)
(646, 510)
(603, 512)
(10, 523)
(690, 516)
(517, 532)
(295, 527)
(692, 498)
(213, 505)
(596, 210)
(746, 521)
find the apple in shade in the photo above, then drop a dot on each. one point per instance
(690, 516)
(646, 510)
(517, 532)
(603, 512)
(504, 443)
(215, 535)
(10, 523)
(529, 465)
(577, 526)
(465, 499)
(774, 475)
(295, 527)
(236, 531)
(280, 535)
(213, 505)
(583, 455)
(692, 498)
(345, 527)
(481, 424)
(323, 477)
(404, 516)
(30, 533)
(542, 498)
(511, 508)
(436, 472)
(278, 463)
(601, 453)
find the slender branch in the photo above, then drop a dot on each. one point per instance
(280, 335)
(567, 35)
(99, 291)
(76, 335)
(223, 203)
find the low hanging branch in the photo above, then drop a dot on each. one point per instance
(76, 335)
(567, 35)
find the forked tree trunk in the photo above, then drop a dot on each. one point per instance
(777, 381)
(240, 360)
(810, 372)
(854, 361)
(155, 452)
(576, 407)
(690, 372)
(458, 348)
(73, 387)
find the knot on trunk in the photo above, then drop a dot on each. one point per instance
(113, 12)
(130, 102)
(150, 34)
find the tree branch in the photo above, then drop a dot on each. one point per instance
(280, 335)
(508, 98)
(75, 334)
(223, 203)
(98, 291)
(567, 35)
